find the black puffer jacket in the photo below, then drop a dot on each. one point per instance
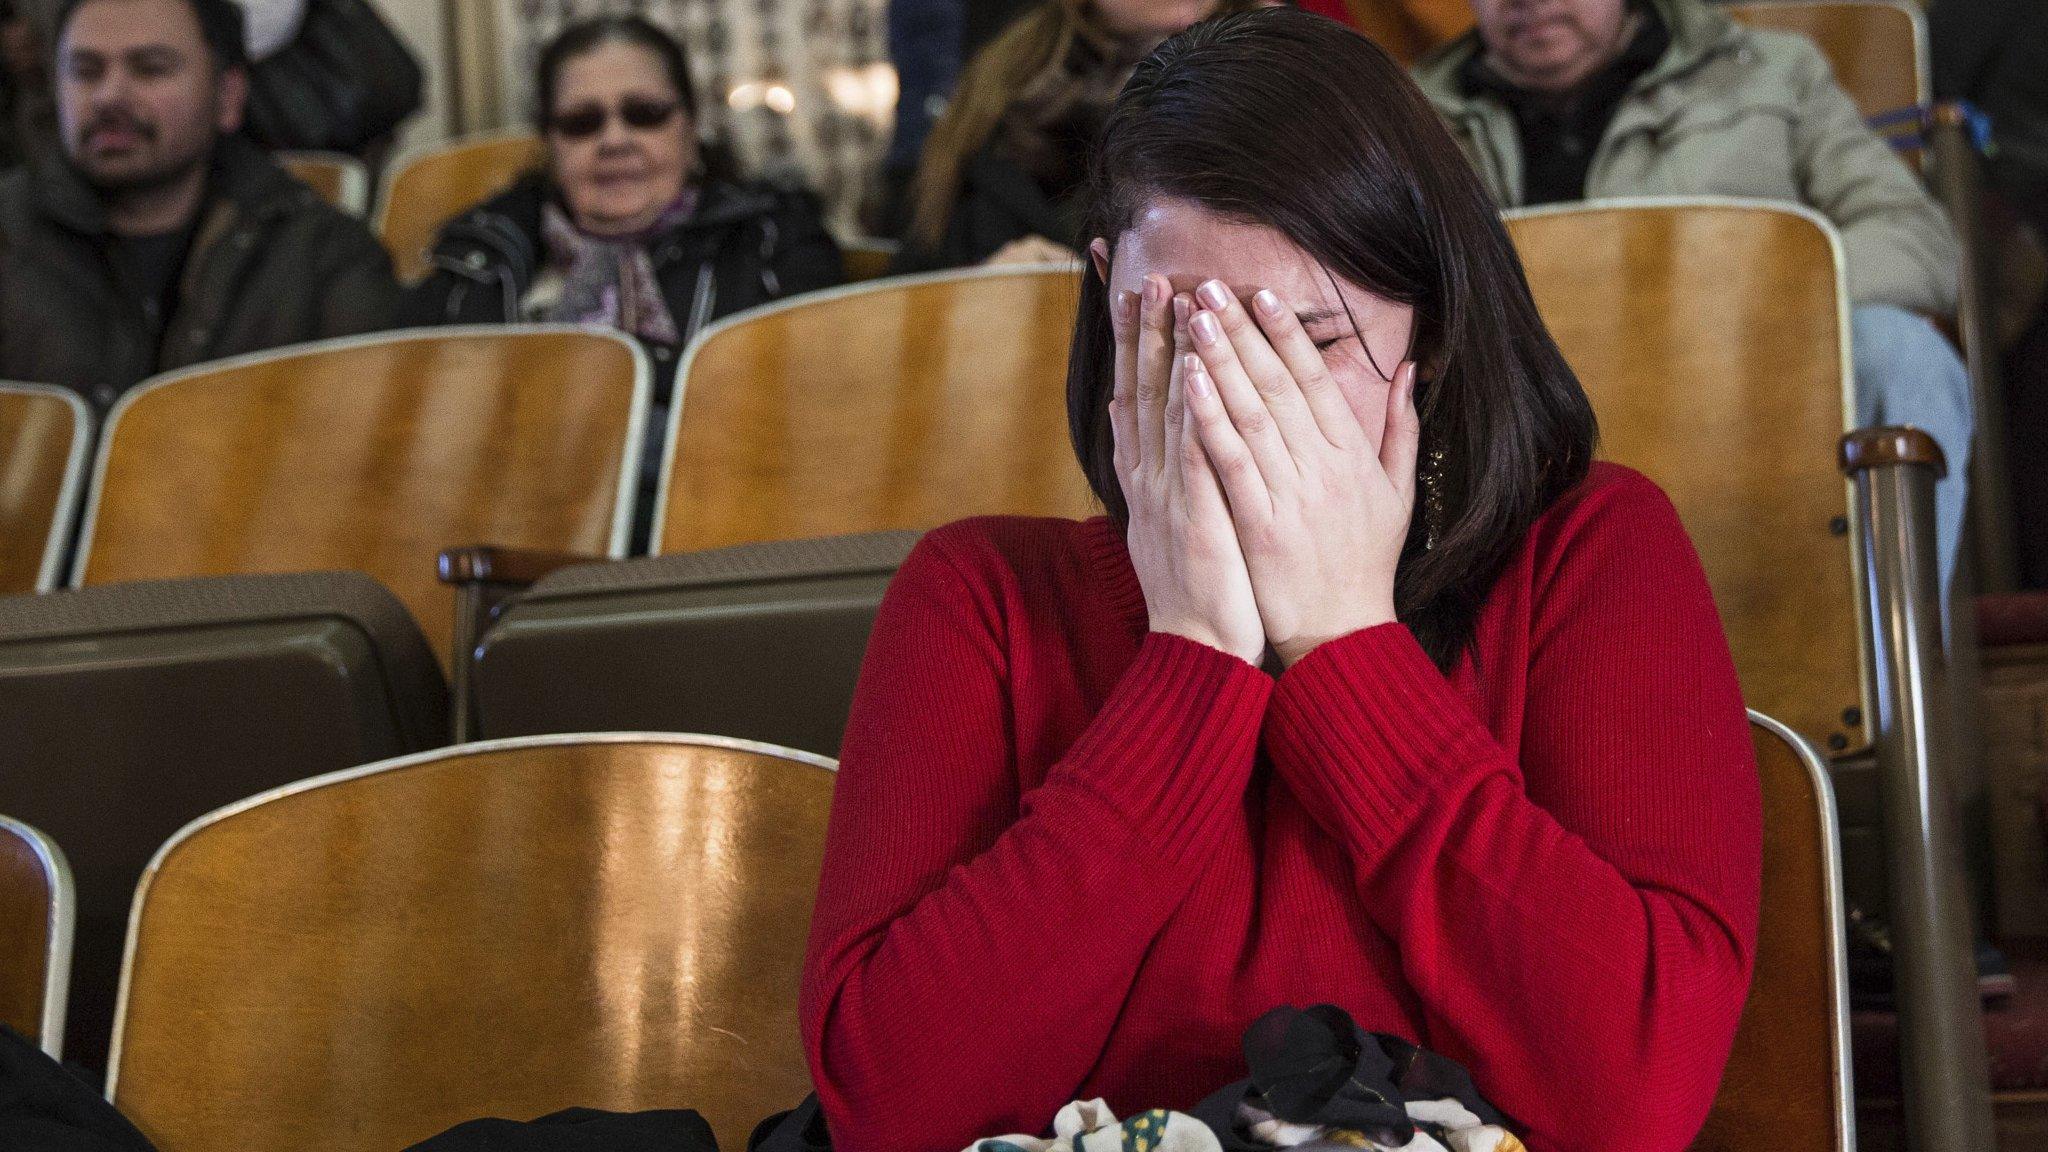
(746, 244)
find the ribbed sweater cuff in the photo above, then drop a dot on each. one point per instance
(1171, 750)
(1366, 729)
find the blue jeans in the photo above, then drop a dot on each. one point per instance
(1908, 373)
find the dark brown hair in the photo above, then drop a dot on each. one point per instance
(1294, 122)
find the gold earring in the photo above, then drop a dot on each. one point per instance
(1432, 497)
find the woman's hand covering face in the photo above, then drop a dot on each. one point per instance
(1182, 543)
(1286, 427)
(1320, 477)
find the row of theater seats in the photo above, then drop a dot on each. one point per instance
(897, 406)
(1876, 48)
(619, 921)
(1709, 335)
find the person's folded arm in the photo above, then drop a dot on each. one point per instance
(1576, 916)
(971, 947)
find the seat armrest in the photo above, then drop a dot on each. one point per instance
(484, 577)
(491, 564)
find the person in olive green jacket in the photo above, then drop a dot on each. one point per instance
(1558, 100)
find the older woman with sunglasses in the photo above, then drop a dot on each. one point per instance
(633, 223)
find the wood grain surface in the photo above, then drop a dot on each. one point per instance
(25, 890)
(904, 405)
(1710, 341)
(37, 431)
(496, 933)
(372, 456)
(435, 187)
(1781, 1076)
(1872, 47)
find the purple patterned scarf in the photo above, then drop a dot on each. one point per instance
(610, 280)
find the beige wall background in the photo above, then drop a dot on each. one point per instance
(420, 23)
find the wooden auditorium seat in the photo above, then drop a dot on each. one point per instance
(372, 454)
(1789, 1072)
(899, 404)
(427, 190)
(44, 434)
(340, 179)
(1877, 48)
(131, 709)
(1711, 336)
(356, 962)
(36, 905)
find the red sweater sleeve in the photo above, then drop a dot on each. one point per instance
(971, 947)
(1577, 919)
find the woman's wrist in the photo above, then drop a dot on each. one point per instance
(1196, 634)
(1293, 651)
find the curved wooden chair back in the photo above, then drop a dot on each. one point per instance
(904, 403)
(1877, 48)
(340, 179)
(359, 961)
(372, 454)
(1789, 1072)
(44, 432)
(37, 907)
(1712, 339)
(434, 187)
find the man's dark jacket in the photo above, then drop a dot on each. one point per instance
(270, 264)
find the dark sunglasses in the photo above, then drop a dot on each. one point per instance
(588, 120)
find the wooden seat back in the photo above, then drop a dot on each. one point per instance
(1712, 339)
(359, 961)
(430, 189)
(904, 403)
(1789, 1072)
(37, 907)
(372, 454)
(1877, 48)
(44, 434)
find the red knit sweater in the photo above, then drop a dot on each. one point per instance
(1069, 858)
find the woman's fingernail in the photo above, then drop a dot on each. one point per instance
(1206, 328)
(1126, 305)
(1213, 295)
(1198, 379)
(1267, 302)
(1182, 308)
(1154, 288)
